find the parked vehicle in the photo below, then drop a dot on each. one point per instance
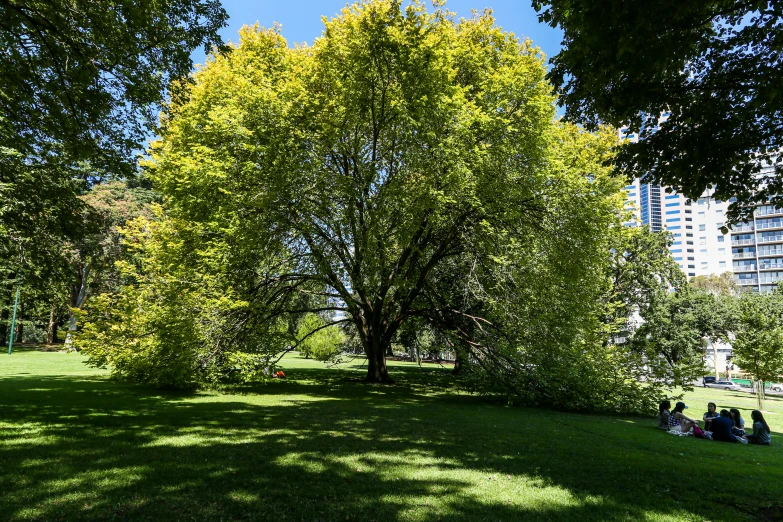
(710, 379)
(776, 386)
(724, 385)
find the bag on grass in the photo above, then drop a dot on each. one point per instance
(698, 433)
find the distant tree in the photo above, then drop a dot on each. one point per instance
(716, 69)
(758, 346)
(318, 338)
(108, 207)
(723, 284)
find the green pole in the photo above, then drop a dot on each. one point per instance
(13, 322)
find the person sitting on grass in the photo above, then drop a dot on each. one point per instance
(711, 414)
(663, 415)
(679, 422)
(739, 423)
(721, 428)
(760, 429)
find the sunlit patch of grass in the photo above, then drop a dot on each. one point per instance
(320, 445)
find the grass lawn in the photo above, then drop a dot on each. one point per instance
(322, 446)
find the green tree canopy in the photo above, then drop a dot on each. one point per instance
(723, 284)
(81, 84)
(758, 346)
(83, 80)
(714, 67)
(407, 165)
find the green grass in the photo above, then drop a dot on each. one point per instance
(320, 445)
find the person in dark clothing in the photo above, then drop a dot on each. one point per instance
(721, 427)
(711, 414)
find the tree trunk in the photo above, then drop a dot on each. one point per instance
(760, 394)
(459, 358)
(77, 301)
(51, 330)
(3, 327)
(376, 364)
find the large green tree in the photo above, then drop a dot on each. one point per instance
(714, 67)
(407, 165)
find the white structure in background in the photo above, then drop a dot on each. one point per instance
(699, 246)
(753, 251)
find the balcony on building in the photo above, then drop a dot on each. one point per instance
(747, 281)
(749, 267)
(770, 251)
(771, 264)
(770, 278)
(768, 210)
(769, 238)
(745, 255)
(742, 241)
(769, 224)
(741, 228)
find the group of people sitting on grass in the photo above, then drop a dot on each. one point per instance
(726, 426)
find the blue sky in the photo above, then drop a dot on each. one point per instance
(301, 19)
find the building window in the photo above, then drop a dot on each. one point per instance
(704, 264)
(702, 227)
(676, 250)
(722, 264)
(688, 219)
(701, 213)
(691, 274)
(703, 251)
(721, 239)
(678, 259)
(689, 242)
(702, 240)
(691, 266)
(690, 259)
(688, 227)
(722, 251)
(690, 250)
(718, 212)
(688, 234)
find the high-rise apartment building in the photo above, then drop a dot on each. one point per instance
(699, 246)
(757, 249)
(753, 250)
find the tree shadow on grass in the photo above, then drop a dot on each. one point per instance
(77, 448)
